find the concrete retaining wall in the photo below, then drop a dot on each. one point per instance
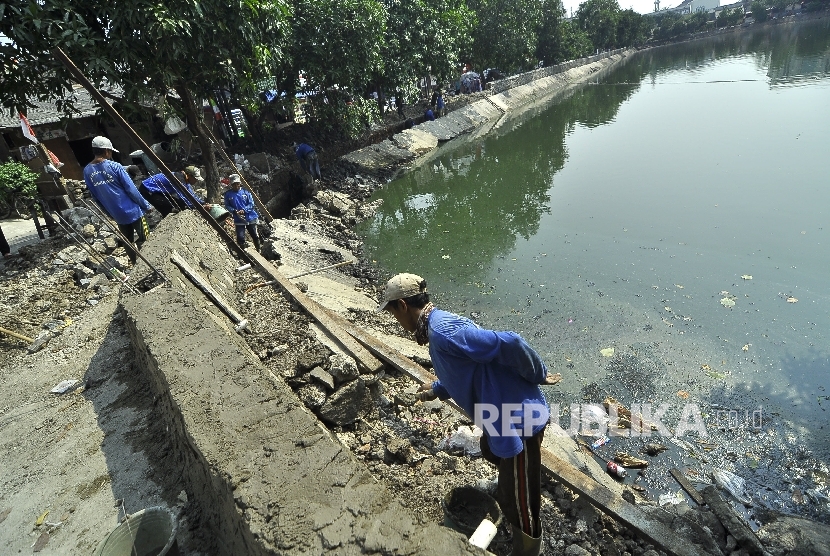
(523, 78)
(509, 95)
(262, 474)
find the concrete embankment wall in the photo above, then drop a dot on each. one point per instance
(509, 95)
(261, 473)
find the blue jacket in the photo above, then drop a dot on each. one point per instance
(111, 186)
(302, 150)
(160, 184)
(478, 366)
(241, 200)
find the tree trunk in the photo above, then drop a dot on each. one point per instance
(214, 191)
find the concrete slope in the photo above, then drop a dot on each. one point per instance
(261, 473)
(510, 95)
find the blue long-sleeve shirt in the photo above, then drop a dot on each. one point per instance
(476, 366)
(241, 200)
(159, 183)
(111, 186)
(302, 150)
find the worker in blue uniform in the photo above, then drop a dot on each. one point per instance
(111, 186)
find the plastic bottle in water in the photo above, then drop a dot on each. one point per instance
(601, 441)
(615, 470)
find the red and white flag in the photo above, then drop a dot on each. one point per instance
(28, 132)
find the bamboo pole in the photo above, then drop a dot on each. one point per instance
(16, 335)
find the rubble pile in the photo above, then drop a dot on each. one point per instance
(54, 281)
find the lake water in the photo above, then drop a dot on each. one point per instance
(624, 214)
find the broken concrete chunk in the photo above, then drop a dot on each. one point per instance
(312, 395)
(111, 243)
(343, 367)
(311, 358)
(323, 377)
(41, 340)
(347, 404)
(335, 202)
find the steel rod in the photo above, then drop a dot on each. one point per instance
(104, 218)
(236, 169)
(96, 256)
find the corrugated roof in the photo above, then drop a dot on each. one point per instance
(47, 112)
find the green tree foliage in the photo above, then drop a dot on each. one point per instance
(149, 48)
(575, 41)
(336, 42)
(423, 37)
(550, 45)
(505, 33)
(598, 18)
(759, 11)
(729, 17)
(15, 174)
(633, 29)
(671, 25)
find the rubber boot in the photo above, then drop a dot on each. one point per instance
(257, 244)
(525, 545)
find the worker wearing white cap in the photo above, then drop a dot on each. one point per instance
(111, 186)
(240, 203)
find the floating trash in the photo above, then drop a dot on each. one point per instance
(627, 460)
(746, 277)
(653, 449)
(726, 302)
(792, 299)
(672, 498)
(607, 352)
(733, 484)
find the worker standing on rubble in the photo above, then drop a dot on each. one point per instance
(495, 377)
(240, 203)
(308, 160)
(111, 186)
(165, 198)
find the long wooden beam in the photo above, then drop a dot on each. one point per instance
(360, 353)
(607, 501)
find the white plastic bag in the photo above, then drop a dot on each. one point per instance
(732, 483)
(173, 125)
(465, 438)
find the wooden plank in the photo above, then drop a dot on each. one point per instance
(733, 523)
(318, 313)
(206, 288)
(618, 508)
(608, 501)
(386, 352)
(687, 486)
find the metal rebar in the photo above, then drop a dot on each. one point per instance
(95, 255)
(105, 219)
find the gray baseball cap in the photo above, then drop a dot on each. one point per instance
(402, 286)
